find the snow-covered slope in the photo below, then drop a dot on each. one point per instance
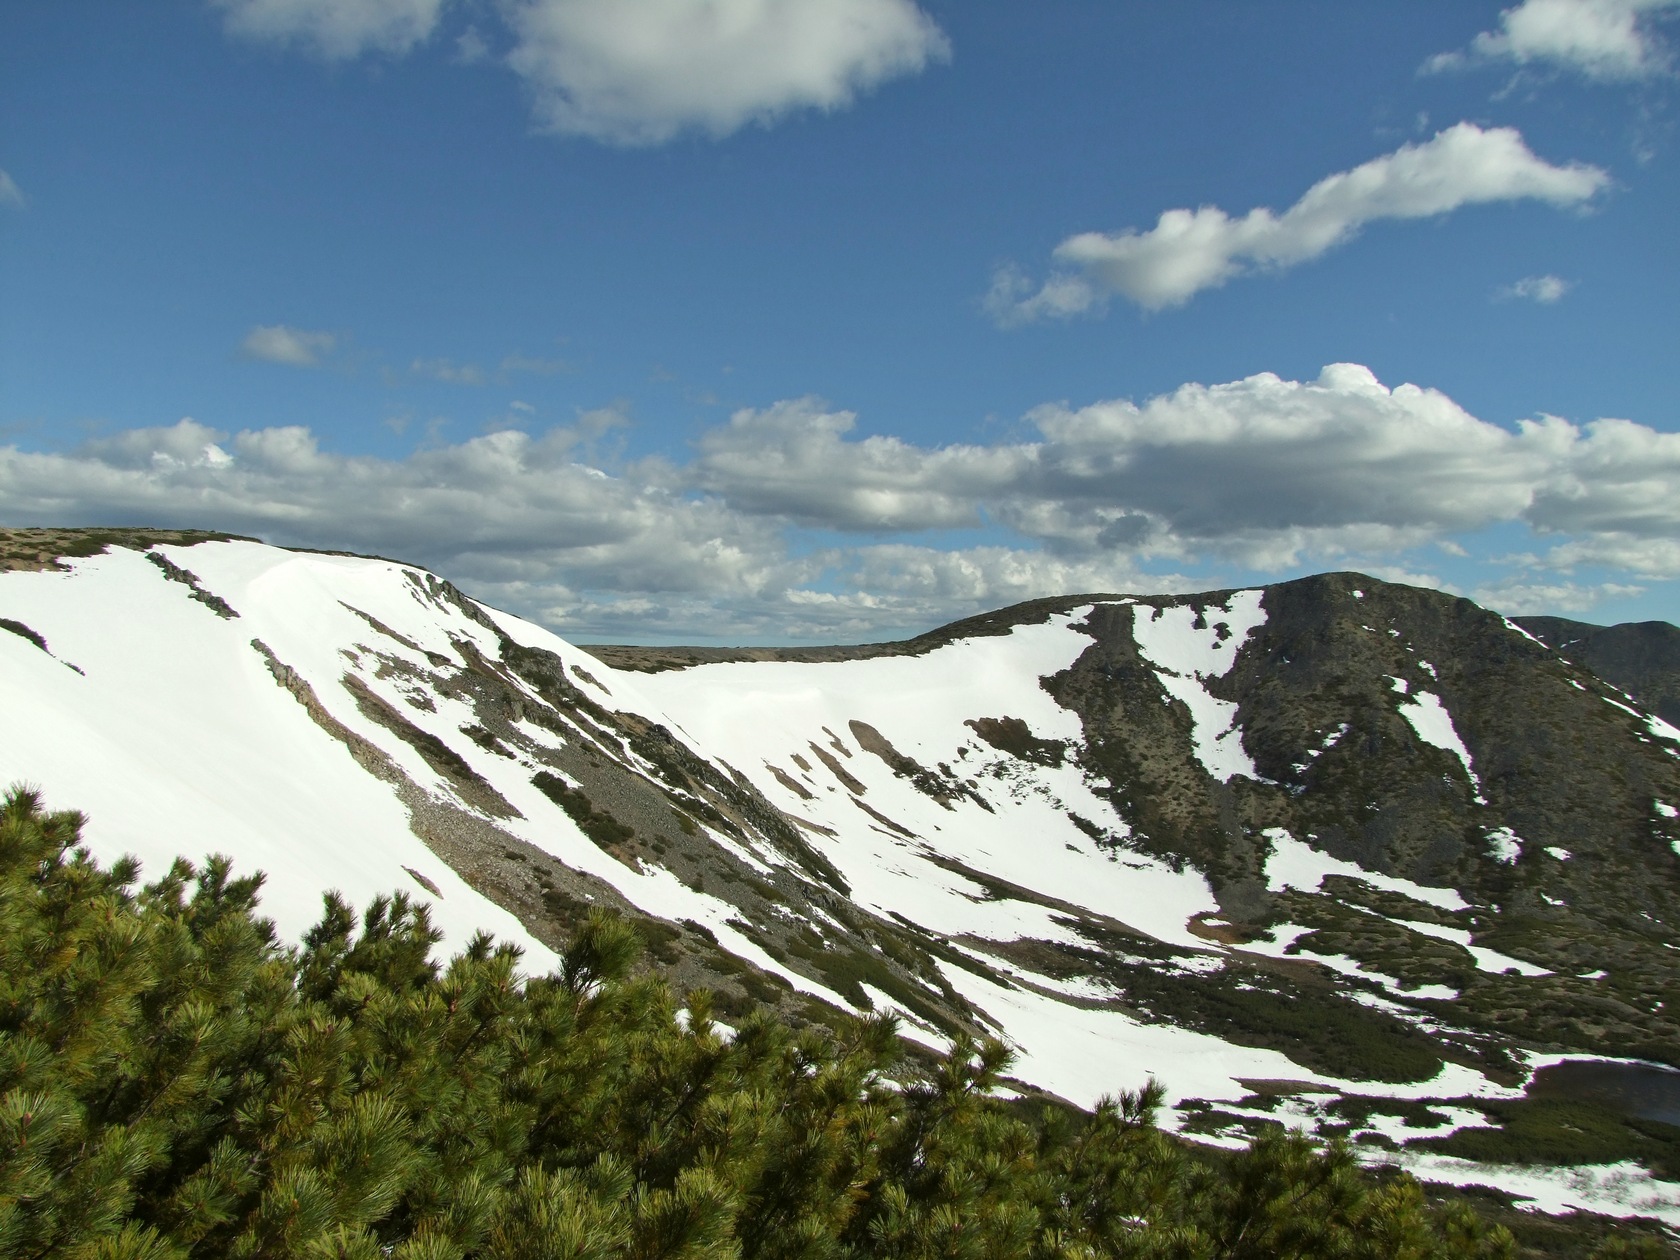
(1310, 853)
(157, 718)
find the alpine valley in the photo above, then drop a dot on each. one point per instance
(1333, 853)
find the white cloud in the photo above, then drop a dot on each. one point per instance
(335, 29)
(295, 347)
(1620, 480)
(1290, 466)
(1519, 597)
(470, 47)
(792, 460)
(1606, 40)
(449, 371)
(1632, 553)
(641, 73)
(1258, 477)
(507, 511)
(1188, 251)
(10, 193)
(1262, 472)
(1542, 289)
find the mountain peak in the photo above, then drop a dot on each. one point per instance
(1366, 838)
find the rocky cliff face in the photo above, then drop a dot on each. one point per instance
(1640, 657)
(1333, 851)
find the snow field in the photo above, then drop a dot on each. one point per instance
(1486, 959)
(1286, 935)
(1504, 845)
(1623, 1189)
(1185, 658)
(1295, 864)
(176, 727)
(1433, 724)
(754, 715)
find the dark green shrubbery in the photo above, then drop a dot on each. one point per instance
(176, 1082)
(601, 827)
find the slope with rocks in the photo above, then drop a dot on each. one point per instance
(1640, 657)
(1332, 852)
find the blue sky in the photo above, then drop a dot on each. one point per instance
(765, 320)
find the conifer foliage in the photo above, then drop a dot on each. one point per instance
(176, 1082)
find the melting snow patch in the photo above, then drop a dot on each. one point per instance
(1667, 811)
(1600, 974)
(1398, 1130)
(1562, 855)
(1486, 959)
(1399, 684)
(1434, 725)
(1082, 1054)
(1293, 864)
(908, 1025)
(1504, 845)
(1622, 1190)
(1330, 741)
(1185, 656)
(1287, 934)
(1663, 730)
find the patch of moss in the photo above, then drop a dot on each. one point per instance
(660, 939)
(1559, 1132)
(1011, 735)
(606, 831)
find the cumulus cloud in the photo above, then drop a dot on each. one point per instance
(449, 371)
(1630, 553)
(513, 513)
(335, 29)
(1517, 597)
(1542, 289)
(294, 347)
(1188, 251)
(10, 193)
(1206, 485)
(1605, 40)
(638, 74)
(1621, 479)
(1263, 472)
(792, 460)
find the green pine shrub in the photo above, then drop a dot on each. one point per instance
(177, 1082)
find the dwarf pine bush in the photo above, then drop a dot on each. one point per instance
(177, 1082)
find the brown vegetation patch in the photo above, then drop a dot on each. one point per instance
(789, 782)
(886, 822)
(839, 771)
(1011, 735)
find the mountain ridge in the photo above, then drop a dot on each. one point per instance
(1257, 842)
